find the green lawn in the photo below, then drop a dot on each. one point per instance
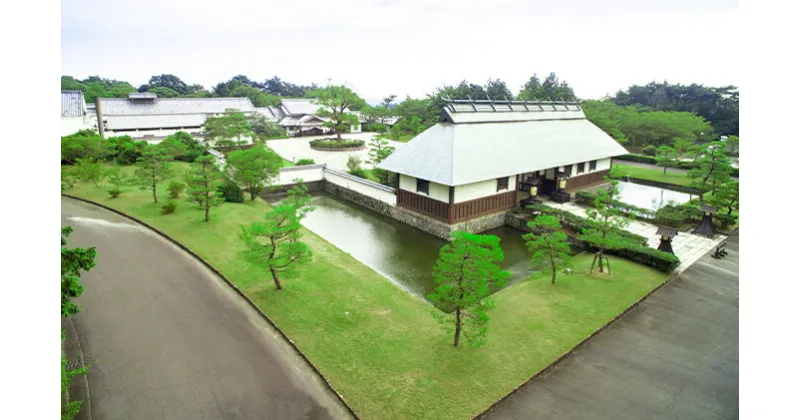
(404, 138)
(653, 174)
(388, 357)
(286, 163)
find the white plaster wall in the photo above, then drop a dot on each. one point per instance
(363, 188)
(71, 125)
(481, 189)
(307, 175)
(436, 191)
(155, 133)
(602, 164)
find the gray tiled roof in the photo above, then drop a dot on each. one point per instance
(175, 106)
(72, 103)
(299, 106)
(131, 122)
(463, 153)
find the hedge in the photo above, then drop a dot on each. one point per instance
(636, 250)
(640, 158)
(336, 144)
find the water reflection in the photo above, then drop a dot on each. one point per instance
(399, 252)
(648, 197)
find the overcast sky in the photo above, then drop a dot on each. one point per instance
(382, 47)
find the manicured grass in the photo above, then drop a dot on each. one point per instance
(404, 138)
(653, 174)
(287, 164)
(379, 346)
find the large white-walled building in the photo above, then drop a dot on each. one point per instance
(484, 156)
(148, 117)
(74, 114)
(299, 118)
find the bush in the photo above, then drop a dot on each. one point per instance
(353, 162)
(578, 224)
(650, 150)
(169, 207)
(375, 128)
(336, 144)
(359, 172)
(304, 161)
(587, 198)
(192, 149)
(84, 144)
(175, 189)
(114, 192)
(652, 257)
(123, 149)
(231, 192)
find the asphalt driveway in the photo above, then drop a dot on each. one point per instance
(167, 339)
(675, 356)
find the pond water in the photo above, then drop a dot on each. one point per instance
(399, 252)
(648, 197)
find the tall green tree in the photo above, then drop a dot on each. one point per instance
(164, 92)
(182, 146)
(712, 168)
(666, 157)
(151, 168)
(466, 270)
(547, 243)
(497, 90)
(379, 149)
(204, 180)
(549, 89)
(227, 130)
(166, 81)
(682, 145)
(727, 197)
(254, 168)
(74, 262)
(335, 103)
(607, 220)
(264, 129)
(275, 242)
(90, 170)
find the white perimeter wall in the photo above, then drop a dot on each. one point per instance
(435, 191)
(364, 187)
(310, 174)
(482, 189)
(71, 125)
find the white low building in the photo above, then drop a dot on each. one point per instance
(75, 115)
(147, 117)
(483, 157)
(299, 118)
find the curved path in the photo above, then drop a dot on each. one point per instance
(167, 339)
(675, 356)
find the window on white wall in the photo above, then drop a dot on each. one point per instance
(423, 186)
(593, 165)
(502, 184)
(581, 168)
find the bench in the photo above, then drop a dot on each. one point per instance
(720, 251)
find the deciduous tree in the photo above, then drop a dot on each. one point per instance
(74, 262)
(466, 270)
(90, 170)
(204, 180)
(275, 242)
(547, 243)
(151, 168)
(254, 168)
(666, 157)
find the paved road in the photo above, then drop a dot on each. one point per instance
(676, 356)
(297, 148)
(167, 339)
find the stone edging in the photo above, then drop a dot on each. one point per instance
(552, 365)
(234, 287)
(339, 149)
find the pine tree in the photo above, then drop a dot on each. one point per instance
(204, 181)
(548, 244)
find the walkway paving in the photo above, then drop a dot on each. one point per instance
(675, 356)
(687, 246)
(167, 339)
(298, 148)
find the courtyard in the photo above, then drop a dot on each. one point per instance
(295, 148)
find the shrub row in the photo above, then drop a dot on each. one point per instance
(636, 250)
(641, 158)
(587, 198)
(336, 144)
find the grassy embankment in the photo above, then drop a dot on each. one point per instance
(380, 347)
